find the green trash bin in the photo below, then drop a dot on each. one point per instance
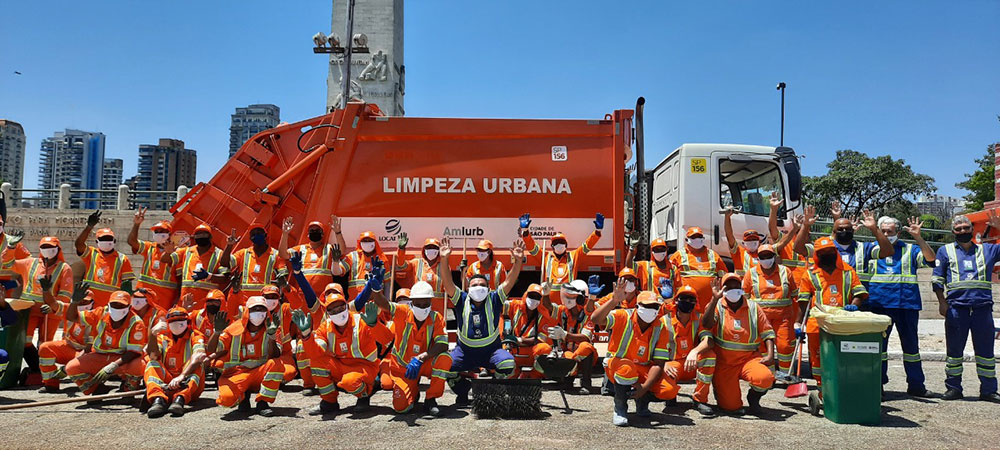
(852, 377)
(12, 340)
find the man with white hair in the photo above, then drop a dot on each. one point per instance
(893, 292)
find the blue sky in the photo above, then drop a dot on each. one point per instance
(915, 79)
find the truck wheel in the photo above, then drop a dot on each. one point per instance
(815, 405)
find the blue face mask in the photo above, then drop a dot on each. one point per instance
(259, 239)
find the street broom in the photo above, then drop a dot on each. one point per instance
(506, 399)
(85, 398)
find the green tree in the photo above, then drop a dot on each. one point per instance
(858, 181)
(979, 183)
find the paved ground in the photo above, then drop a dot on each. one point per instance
(571, 423)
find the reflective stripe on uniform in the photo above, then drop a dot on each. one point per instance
(686, 270)
(784, 300)
(956, 282)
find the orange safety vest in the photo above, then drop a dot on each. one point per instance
(116, 273)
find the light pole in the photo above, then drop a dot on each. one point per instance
(781, 87)
(355, 44)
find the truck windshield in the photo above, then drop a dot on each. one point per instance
(747, 185)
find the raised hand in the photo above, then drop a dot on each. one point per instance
(993, 220)
(594, 286)
(370, 314)
(160, 327)
(45, 282)
(233, 237)
(187, 301)
(546, 289)
(272, 326)
(598, 221)
(302, 321)
(221, 321)
(915, 226)
(336, 253)
(402, 240)
(716, 289)
(94, 218)
(295, 260)
(79, 293)
(869, 220)
(618, 294)
(288, 224)
(15, 237)
(518, 249)
(524, 221)
(836, 210)
(140, 215)
(633, 239)
(776, 200)
(335, 224)
(445, 248)
(809, 215)
(729, 212)
(666, 288)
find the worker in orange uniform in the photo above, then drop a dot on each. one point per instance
(107, 270)
(356, 265)
(830, 282)
(411, 269)
(744, 253)
(420, 350)
(118, 344)
(203, 319)
(774, 289)
(318, 257)
(155, 276)
(175, 373)
(561, 264)
(656, 273)
(142, 301)
(281, 313)
(48, 282)
(11, 249)
(78, 336)
(197, 265)
(249, 355)
(698, 266)
(574, 327)
(258, 266)
(631, 289)
(528, 336)
(694, 358)
(342, 351)
(487, 265)
(640, 344)
(739, 327)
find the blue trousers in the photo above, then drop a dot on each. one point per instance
(957, 325)
(4, 359)
(464, 359)
(905, 322)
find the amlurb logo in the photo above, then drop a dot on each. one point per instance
(392, 226)
(463, 231)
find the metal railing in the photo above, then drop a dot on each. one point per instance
(824, 228)
(65, 197)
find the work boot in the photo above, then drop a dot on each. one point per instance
(431, 408)
(952, 394)
(244, 406)
(324, 408)
(158, 408)
(918, 392)
(619, 418)
(994, 397)
(461, 387)
(176, 408)
(753, 401)
(642, 406)
(46, 389)
(704, 409)
(264, 409)
(310, 391)
(363, 403)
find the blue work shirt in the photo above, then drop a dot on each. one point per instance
(894, 282)
(479, 323)
(857, 255)
(974, 269)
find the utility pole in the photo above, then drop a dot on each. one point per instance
(781, 87)
(346, 88)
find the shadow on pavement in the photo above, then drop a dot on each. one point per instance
(657, 420)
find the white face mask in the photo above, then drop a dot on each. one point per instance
(483, 256)
(893, 239)
(340, 319)
(367, 246)
(49, 253)
(420, 313)
(117, 313)
(696, 243)
(160, 238)
(257, 317)
(659, 255)
(432, 253)
(733, 295)
(559, 249)
(85, 308)
(271, 303)
(569, 303)
(647, 315)
(751, 246)
(178, 328)
(531, 303)
(105, 246)
(630, 286)
(767, 263)
(478, 293)
(138, 303)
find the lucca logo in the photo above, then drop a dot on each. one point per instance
(393, 227)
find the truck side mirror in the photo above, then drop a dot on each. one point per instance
(790, 162)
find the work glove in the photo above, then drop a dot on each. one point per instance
(14, 237)
(510, 340)
(633, 239)
(850, 308)
(45, 309)
(105, 373)
(377, 275)
(402, 240)
(800, 333)
(9, 284)
(599, 221)
(79, 293)
(199, 274)
(94, 218)
(557, 333)
(296, 262)
(370, 314)
(413, 369)
(666, 288)
(524, 221)
(594, 288)
(221, 321)
(302, 321)
(336, 253)
(272, 328)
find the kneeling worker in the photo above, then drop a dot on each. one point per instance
(694, 358)
(249, 353)
(117, 348)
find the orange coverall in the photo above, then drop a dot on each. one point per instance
(345, 359)
(256, 271)
(105, 273)
(686, 338)
(109, 345)
(650, 275)
(410, 271)
(776, 294)
(411, 340)
(738, 336)
(157, 276)
(495, 274)
(77, 338)
(529, 324)
(562, 269)
(698, 268)
(174, 355)
(31, 269)
(829, 289)
(317, 266)
(245, 365)
(186, 261)
(632, 352)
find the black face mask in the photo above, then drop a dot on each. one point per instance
(203, 241)
(315, 235)
(212, 309)
(828, 260)
(844, 237)
(963, 238)
(685, 307)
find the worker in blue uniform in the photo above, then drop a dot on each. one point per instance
(479, 313)
(893, 292)
(961, 282)
(859, 254)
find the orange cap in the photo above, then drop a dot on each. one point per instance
(203, 227)
(766, 248)
(559, 237)
(824, 243)
(657, 243)
(176, 314)
(257, 225)
(333, 287)
(367, 235)
(432, 242)
(627, 272)
(694, 231)
(256, 300)
(534, 287)
(49, 240)
(105, 232)
(484, 244)
(162, 225)
(647, 297)
(687, 289)
(315, 224)
(333, 298)
(215, 294)
(731, 276)
(404, 292)
(751, 235)
(120, 297)
(270, 289)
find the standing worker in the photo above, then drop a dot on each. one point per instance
(698, 266)
(156, 276)
(965, 298)
(745, 255)
(561, 264)
(318, 256)
(258, 265)
(48, 282)
(774, 289)
(196, 265)
(421, 268)
(893, 292)
(657, 272)
(487, 265)
(107, 270)
(857, 255)
(357, 264)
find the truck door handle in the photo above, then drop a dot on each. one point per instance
(716, 233)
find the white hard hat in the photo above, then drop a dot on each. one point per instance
(577, 286)
(421, 289)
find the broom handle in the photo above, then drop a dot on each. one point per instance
(465, 245)
(85, 398)
(392, 277)
(805, 319)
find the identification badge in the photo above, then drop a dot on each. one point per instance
(888, 260)
(967, 264)
(833, 289)
(256, 268)
(684, 345)
(476, 320)
(698, 258)
(642, 351)
(172, 362)
(737, 325)
(560, 271)
(430, 276)
(137, 336)
(343, 347)
(250, 349)
(76, 331)
(416, 349)
(846, 258)
(100, 273)
(313, 257)
(107, 340)
(156, 265)
(198, 267)
(770, 282)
